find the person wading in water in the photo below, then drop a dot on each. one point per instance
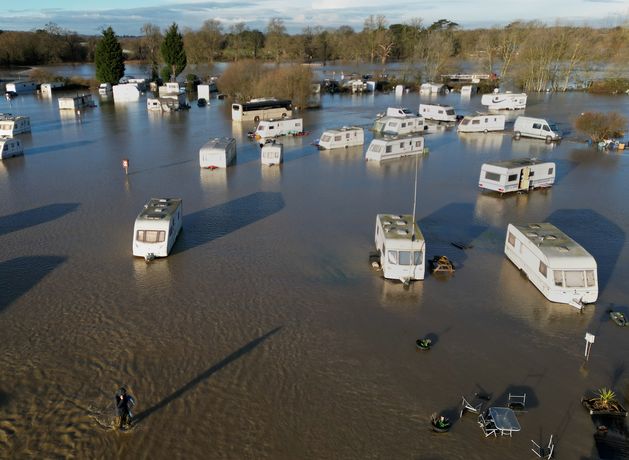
(124, 403)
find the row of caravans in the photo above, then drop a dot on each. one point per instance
(536, 128)
(10, 147)
(11, 125)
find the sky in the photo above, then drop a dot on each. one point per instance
(126, 17)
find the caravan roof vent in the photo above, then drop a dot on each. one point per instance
(400, 222)
(386, 222)
(550, 237)
(534, 226)
(532, 234)
(562, 249)
(401, 231)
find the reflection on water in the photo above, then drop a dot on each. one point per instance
(271, 175)
(342, 156)
(481, 142)
(532, 148)
(510, 115)
(396, 297)
(213, 179)
(499, 210)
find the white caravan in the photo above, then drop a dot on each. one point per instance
(10, 147)
(516, 175)
(394, 147)
(157, 227)
(272, 154)
(399, 112)
(10, 125)
(401, 247)
(556, 264)
(398, 125)
(76, 102)
(125, 92)
(347, 136)
(437, 112)
(219, 152)
(504, 101)
(282, 127)
(21, 87)
(432, 88)
(104, 88)
(537, 128)
(481, 123)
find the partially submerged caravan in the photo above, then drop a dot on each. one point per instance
(432, 88)
(272, 154)
(401, 247)
(157, 227)
(398, 125)
(219, 152)
(21, 87)
(347, 136)
(104, 88)
(76, 102)
(394, 147)
(437, 112)
(481, 123)
(281, 127)
(558, 266)
(537, 128)
(504, 101)
(10, 125)
(165, 104)
(125, 92)
(516, 175)
(10, 147)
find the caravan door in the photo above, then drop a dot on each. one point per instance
(524, 178)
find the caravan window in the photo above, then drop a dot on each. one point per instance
(338, 138)
(492, 176)
(511, 239)
(151, 236)
(512, 177)
(465, 122)
(542, 268)
(388, 149)
(550, 171)
(450, 111)
(558, 275)
(393, 124)
(403, 125)
(589, 278)
(325, 138)
(401, 145)
(405, 257)
(417, 257)
(574, 278)
(375, 148)
(418, 144)
(392, 257)
(476, 122)
(347, 135)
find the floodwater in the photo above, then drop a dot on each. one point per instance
(265, 333)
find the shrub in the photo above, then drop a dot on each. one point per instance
(609, 86)
(599, 126)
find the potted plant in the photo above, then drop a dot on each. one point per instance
(604, 403)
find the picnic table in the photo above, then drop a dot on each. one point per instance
(504, 419)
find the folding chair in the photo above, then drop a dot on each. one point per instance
(467, 407)
(517, 402)
(544, 452)
(487, 425)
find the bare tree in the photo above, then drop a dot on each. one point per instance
(151, 42)
(276, 38)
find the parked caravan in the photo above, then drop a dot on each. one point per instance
(504, 101)
(21, 87)
(401, 247)
(399, 126)
(11, 125)
(558, 266)
(432, 88)
(537, 128)
(157, 227)
(347, 136)
(165, 104)
(481, 123)
(281, 127)
(468, 90)
(262, 109)
(10, 147)
(170, 89)
(76, 102)
(219, 152)
(437, 112)
(46, 88)
(104, 88)
(394, 147)
(516, 175)
(399, 112)
(125, 92)
(272, 154)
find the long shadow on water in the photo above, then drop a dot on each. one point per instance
(53, 148)
(205, 375)
(35, 216)
(18, 276)
(209, 224)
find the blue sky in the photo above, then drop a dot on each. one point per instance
(127, 17)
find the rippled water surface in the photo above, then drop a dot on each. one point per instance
(265, 333)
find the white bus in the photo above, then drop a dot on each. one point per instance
(157, 227)
(262, 109)
(401, 247)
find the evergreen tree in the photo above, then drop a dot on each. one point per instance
(173, 51)
(108, 58)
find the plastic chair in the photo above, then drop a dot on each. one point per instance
(517, 402)
(544, 452)
(487, 425)
(467, 407)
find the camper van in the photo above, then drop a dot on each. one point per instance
(281, 127)
(516, 175)
(399, 126)
(401, 247)
(347, 136)
(558, 266)
(504, 101)
(481, 123)
(437, 112)
(10, 147)
(11, 125)
(272, 154)
(219, 152)
(76, 102)
(157, 227)
(537, 128)
(394, 147)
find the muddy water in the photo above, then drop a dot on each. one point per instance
(265, 334)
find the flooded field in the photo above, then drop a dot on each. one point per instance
(265, 333)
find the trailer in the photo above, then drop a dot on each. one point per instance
(157, 227)
(280, 127)
(10, 147)
(76, 102)
(347, 136)
(516, 175)
(399, 125)
(437, 112)
(561, 269)
(21, 87)
(11, 125)
(481, 123)
(504, 101)
(272, 153)
(394, 147)
(400, 246)
(219, 152)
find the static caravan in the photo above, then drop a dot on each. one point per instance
(399, 126)
(401, 247)
(394, 147)
(171, 88)
(481, 123)
(157, 227)
(104, 88)
(21, 87)
(516, 175)
(164, 104)
(557, 265)
(504, 101)
(468, 90)
(399, 112)
(10, 125)
(125, 92)
(432, 88)
(282, 127)
(46, 88)
(537, 128)
(347, 136)
(219, 152)
(437, 112)
(10, 147)
(272, 154)
(76, 102)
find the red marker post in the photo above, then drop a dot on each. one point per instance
(125, 165)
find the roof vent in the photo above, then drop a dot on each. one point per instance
(562, 249)
(534, 226)
(401, 231)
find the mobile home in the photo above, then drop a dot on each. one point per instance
(481, 123)
(347, 136)
(558, 266)
(394, 147)
(437, 112)
(219, 152)
(104, 88)
(401, 247)
(281, 127)
(10, 147)
(399, 125)
(272, 154)
(125, 92)
(10, 125)
(432, 88)
(21, 87)
(504, 101)
(157, 227)
(516, 175)
(76, 102)
(165, 104)
(537, 128)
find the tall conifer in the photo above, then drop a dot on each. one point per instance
(108, 58)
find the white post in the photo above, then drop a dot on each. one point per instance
(589, 340)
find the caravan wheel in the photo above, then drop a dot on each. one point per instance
(256, 118)
(517, 135)
(485, 131)
(549, 139)
(284, 115)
